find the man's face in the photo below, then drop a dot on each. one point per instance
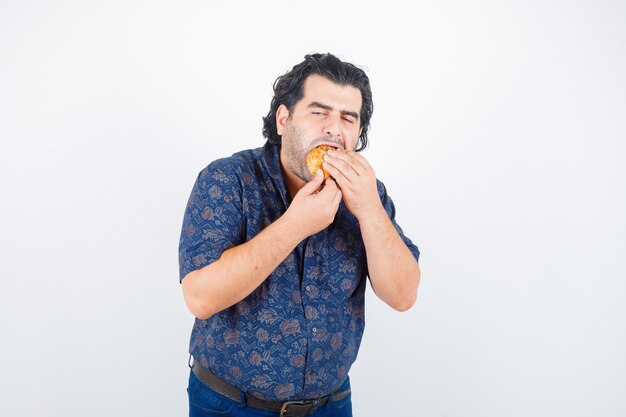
(328, 113)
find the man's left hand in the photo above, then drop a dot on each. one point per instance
(357, 181)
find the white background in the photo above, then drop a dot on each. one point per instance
(499, 130)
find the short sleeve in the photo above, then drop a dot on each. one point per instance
(391, 212)
(213, 220)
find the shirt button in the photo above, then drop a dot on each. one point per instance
(314, 329)
(308, 288)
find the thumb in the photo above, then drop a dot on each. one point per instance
(313, 185)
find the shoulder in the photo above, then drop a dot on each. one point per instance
(231, 169)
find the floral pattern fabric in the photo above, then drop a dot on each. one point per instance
(297, 335)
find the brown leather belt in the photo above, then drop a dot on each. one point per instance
(285, 409)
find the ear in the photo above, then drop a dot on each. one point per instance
(282, 114)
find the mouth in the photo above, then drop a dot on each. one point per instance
(332, 144)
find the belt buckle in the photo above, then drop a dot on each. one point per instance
(283, 409)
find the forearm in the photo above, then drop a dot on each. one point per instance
(393, 270)
(239, 271)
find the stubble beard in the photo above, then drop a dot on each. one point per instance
(296, 151)
(292, 144)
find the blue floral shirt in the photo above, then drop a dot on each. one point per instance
(297, 335)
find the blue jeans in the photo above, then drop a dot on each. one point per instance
(204, 402)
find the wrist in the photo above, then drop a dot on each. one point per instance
(290, 229)
(375, 214)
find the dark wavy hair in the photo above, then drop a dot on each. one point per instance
(289, 89)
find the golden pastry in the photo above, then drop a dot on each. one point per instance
(315, 158)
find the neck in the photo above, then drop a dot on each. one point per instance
(292, 182)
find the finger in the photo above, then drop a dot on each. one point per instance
(313, 185)
(348, 158)
(341, 166)
(361, 160)
(337, 199)
(329, 190)
(342, 162)
(331, 193)
(330, 183)
(341, 179)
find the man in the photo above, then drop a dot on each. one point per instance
(273, 259)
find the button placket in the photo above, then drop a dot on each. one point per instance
(306, 301)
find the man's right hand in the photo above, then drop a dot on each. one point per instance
(313, 207)
(247, 265)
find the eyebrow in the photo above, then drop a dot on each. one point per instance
(326, 107)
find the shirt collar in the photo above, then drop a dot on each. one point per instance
(271, 159)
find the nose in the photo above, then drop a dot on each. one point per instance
(333, 125)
